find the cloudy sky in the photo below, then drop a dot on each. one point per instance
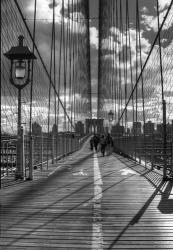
(113, 37)
(110, 39)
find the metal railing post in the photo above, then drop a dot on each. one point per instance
(19, 174)
(41, 151)
(53, 149)
(152, 151)
(56, 146)
(23, 152)
(164, 141)
(31, 157)
(7, 159)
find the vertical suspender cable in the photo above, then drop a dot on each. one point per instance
(32, 67)
(126, 67)
(142, 81)
(115, 66)
(99, 59)
(59, 81)
(120, 58)
(89, 57)
(64, 75)
(50, 88)
(55, 139)
(149, 54)
(136, 113)
(131, 71)
(31, 94)
(117, 71)
(36, 48)
(70, 70)
(163, 99)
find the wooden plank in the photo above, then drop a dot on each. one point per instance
(58, 213)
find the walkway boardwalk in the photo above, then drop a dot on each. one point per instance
(89, 202)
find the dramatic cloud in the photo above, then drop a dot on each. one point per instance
(71, 16)
(116, 43)
(94, 40)
(163, 4)
(150, 22)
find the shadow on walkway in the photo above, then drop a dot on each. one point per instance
(165, 206)
(35, 186)
(166, 203)
(138, 216)
(153, 177)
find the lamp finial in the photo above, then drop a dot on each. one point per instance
(20, 39)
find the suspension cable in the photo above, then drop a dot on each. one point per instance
(44, 66)
(149, 54)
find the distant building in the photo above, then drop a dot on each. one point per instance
(136, 129)
(169, 129)
(148, 128)
(160, 128)
(79, 128)
(36, 129)
(117, 130)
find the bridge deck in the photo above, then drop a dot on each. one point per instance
(89, 202)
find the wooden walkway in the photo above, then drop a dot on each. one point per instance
(89, 202)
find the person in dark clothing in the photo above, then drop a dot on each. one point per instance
(91, 143)
(95, 141)
(109, 144)
(103, 144)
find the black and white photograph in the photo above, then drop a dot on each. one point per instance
(86, 125)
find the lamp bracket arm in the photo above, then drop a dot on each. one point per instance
(12, 82)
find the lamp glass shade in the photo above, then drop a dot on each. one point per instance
(20, 69)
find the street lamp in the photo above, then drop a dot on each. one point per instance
(110, 117)
(20, 73)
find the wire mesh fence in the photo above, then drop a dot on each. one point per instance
(39, 152)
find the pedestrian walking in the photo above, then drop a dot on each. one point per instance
(91, 143)
(95, 141)
(103, 144)
(109, 144)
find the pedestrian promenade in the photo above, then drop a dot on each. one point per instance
(87, 201)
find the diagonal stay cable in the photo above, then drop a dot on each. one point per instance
(41, 59)
(152, 47)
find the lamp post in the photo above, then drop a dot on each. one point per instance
(20, 72)
(110, 117)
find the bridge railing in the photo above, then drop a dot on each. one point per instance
(8, 157)
(46, 150)
(58, 94)
(147, 151)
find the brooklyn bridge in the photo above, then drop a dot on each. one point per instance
(73, 71)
